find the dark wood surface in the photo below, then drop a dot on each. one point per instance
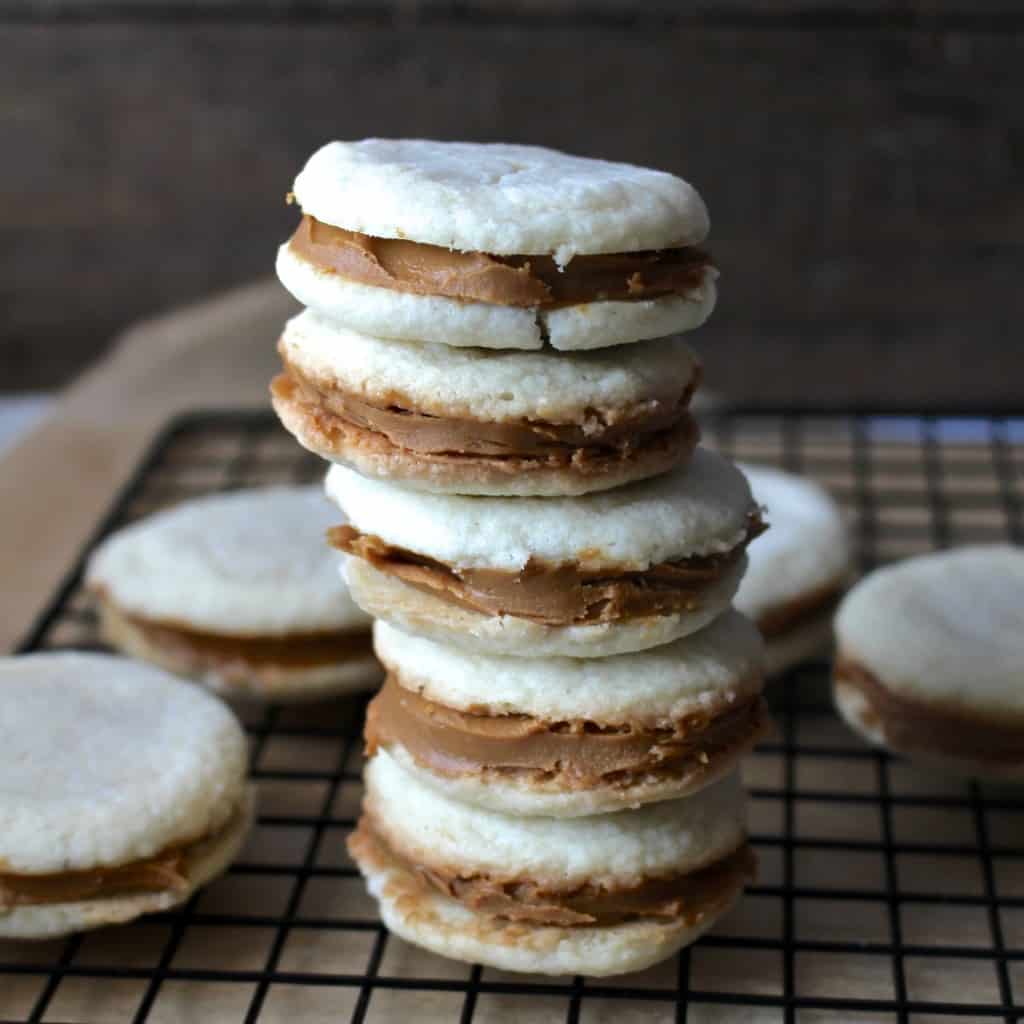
(864, 180)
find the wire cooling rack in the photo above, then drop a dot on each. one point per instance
(885, 893)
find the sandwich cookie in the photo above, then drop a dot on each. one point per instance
(597, 896)
(480, 421)
(496, 246)
(240, 591)
(797, 571)
(566, 737)
(122, 790)
(931, 659)
(586, 577)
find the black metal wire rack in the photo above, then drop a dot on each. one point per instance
(885, 893)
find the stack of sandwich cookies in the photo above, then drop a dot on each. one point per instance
(489, 358)
(122, 790)
(237, 590)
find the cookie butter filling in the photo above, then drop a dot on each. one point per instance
(554, 595)
(167, 871)
(783, 618)
(426, 434)
(293, 650)
(535, 282)
(162, 873)
(685, 897)
(910, 724)
(580, 754)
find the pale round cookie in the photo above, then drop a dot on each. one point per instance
(105, 763)
(699, 509)
(699, 512)
(931, 659)
(407, 824)
(641, 391)
(403, 316)
(243, 563)
(675, 836)
(239, 591)
(798, 569)
(702, 690)
(498, 198)
(720, 664)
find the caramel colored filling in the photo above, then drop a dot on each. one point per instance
(581, 754)
(780, 620)
(452, 436)
(555, 595)
(293, 651)
(909, 724)
(161, 873)
(682, 897)
(525, 281)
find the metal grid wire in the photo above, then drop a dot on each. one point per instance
(884, 894)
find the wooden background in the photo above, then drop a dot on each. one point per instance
(862, 161)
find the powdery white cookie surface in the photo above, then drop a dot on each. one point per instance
(247, 563)
(446, 927)
(489, 385)
(620, 848)
(601, 324)
(498, 198)
(806, 549)
(697, 509)
(706, 671)
(944, 628)
(386, 313)
(105, 761)
(417, 611)
(204, 861)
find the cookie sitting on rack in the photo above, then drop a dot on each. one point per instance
(240, 592)
(798, 570)
(598, 895)
(122, 790)
(931, 660)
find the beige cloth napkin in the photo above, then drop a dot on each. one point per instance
(57, 482)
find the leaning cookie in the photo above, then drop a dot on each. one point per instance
(566, 737)
(931, 659)
(122, 790)
(240, 591)
(596, 896)
(798, 570)
(585, 577)
(479, 421)
(496, 246)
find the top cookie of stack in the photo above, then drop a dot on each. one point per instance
(492, 319)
